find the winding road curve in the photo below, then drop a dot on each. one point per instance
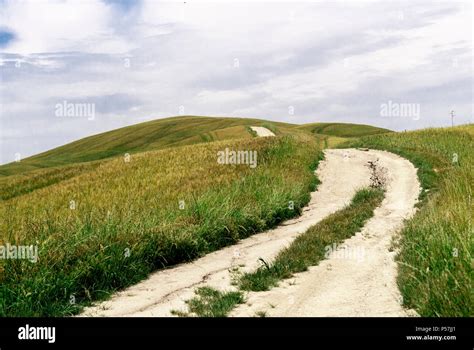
(358, 284)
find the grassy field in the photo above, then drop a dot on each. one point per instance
(171, 132)
(85, 155)
(103, 221)
(109, 226)
(17, 185)
(437, 245)
(148, 136)
(344, 130)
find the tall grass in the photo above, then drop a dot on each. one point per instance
(17, 185)
(170, 132)
(128, 218)
(437, 246)
(148, 136)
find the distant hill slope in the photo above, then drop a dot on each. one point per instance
(343, 129)
(171, 132)
(152, 135)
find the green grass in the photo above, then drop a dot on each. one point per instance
(251, 131)
(170, 132)
(13, 186)
(309, 248)
(342, 129)
(127, 221)
(133, 207)
(148, 136)
(436, 269)
(209, 302)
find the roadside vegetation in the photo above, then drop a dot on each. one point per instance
(436, 266)
(107, 228)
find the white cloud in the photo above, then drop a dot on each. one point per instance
(330, 61)
(55, 26)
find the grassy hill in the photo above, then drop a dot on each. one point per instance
(83, 204)
(343, 130)
(85, 155)
(152, 135)
(85, 225)
(133, 206)
(171, 132)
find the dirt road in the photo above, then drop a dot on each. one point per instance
(336, 287)
(358, 279)
(261, 131)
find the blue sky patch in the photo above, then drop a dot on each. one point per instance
(6, 37)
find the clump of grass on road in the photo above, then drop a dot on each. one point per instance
(210, 302)
(437, 245)
(108, 227)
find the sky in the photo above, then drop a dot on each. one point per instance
(399, 65)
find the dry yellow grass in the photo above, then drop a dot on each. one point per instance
(126, 218)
